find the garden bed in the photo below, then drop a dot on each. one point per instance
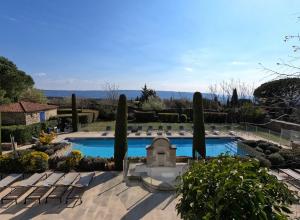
(272, 155)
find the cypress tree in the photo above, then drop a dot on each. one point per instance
(120, 147)
(199, 129)
(74, 114)
(0, 135)
(234, 98)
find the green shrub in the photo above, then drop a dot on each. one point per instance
(153, 103)
(264, 145)
(250, 143)
(183, 118)
(287, 154)
(9, 164)
(73, 159)
(232, 188)
(215, 117)
(92, 164)
(263, 162)
(273, 148)
(35, 161)
(145, 116)
(259, 149)
(23, 133)
(168, 117)
(276, 159)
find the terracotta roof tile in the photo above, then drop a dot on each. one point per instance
(25, 107)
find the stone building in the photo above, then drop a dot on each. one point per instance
(26, 113)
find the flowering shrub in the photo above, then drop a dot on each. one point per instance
(35, 161)
(46, 139)
(232, 188)
(74, 158)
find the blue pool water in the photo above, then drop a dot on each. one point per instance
(100, 147)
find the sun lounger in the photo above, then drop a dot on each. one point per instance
(22, 187)
(216, 132)
(149, 130)
(169, 130)
(79, 186)
(129, 130)
(231, 133)
(108, 129)
(62, 186)
(160, 130)
(291, 173)
(43, 187)
(139, 130)
(181, 130)
(11, 178)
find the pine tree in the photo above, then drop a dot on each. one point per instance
(234, 98)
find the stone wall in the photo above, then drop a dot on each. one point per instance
(32, 118)
(277, 125)
(13, 118)
(50, 113)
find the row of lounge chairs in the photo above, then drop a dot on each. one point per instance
(292, 176)
(51, 185)
(160, 131)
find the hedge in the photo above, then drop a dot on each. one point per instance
(215, 117)
(23, 133)
(84, 118)
(67, 111)
(145, 116)
(168, 117)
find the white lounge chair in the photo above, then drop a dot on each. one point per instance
(160, 131)
(169, 130)
(139, 131)
(181, 130)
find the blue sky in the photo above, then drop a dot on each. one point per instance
(181, 45)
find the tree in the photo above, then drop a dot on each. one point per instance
(234, 98)
(111, 92)
(12, 80)
(33, 95)
(284, 92)
(232, 188)
(153, 103)
(146, 93)
(74, 114)
(199, 129)
(0, 134)
(120, 147)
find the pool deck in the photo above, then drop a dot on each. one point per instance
(107, 198)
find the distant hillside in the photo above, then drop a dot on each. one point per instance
(131, 94)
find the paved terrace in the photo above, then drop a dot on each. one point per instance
(107, 198)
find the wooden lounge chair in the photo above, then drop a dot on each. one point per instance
(149, 130)
(79, 187)
(43, 187)
(169, 130)
(11, 178)
(160, 130)
(62, 186)
(22, 187)
(108, 129)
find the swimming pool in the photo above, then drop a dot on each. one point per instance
(104, 147)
